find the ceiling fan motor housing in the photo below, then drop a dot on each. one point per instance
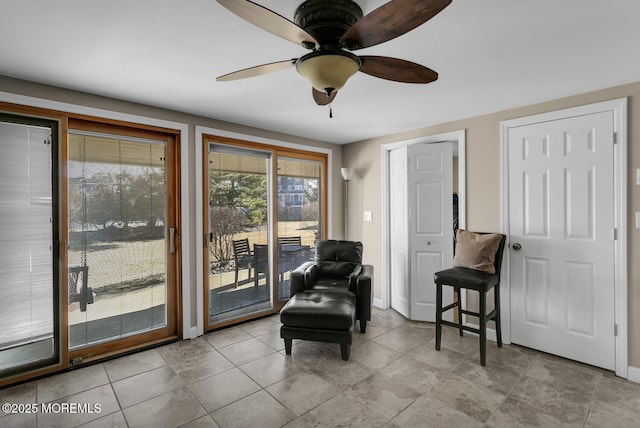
(327, 20)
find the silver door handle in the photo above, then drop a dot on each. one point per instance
(516, 246)
(172, 239)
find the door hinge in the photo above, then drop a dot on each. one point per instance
(615, 330)
(615, 234)
(615, 138)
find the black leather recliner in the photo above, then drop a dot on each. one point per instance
(338, 268)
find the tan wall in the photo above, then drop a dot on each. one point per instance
(31, 89)
(483, 183)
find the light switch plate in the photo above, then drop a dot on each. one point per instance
(637, 220)
(368, 216)
(638, 176)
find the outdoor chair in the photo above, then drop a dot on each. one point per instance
(290, 240)
(79, 291)
(243, 257)
(261, 261)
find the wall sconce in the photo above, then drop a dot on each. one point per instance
(347, 173)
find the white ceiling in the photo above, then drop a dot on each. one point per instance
(491, 55)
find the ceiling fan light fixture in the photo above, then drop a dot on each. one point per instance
(328, 70)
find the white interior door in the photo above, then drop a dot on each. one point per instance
(561, 210)
(399, 227)
(430, 204)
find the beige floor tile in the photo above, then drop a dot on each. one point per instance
(302, 392)
(113, 420)
(341, 411)
(517, 414)
(607, 415)
(198, 367)
(400, 340)
(223, 389)
(467, 397)
(172, 409)
(428, 411)
(246, 351)
(265, 412)
(373, 354)
(204, 422)
(566, 405)
(444, 359)
(134, 364)
(72, 382)
(227, 336)
(270, 369)
(178, 351)
(102, 396)
(383, 395)
(619, 393)
(342, 374)
(420, 376)
(141, 387)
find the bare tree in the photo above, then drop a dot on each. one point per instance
(226, 223)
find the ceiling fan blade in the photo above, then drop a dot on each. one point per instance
(389, 21)
(269, 20)
(398, 70)
(321, 98)
(258, 70)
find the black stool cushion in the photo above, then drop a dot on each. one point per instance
(324, 310)
(466, 278)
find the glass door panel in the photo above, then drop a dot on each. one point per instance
(299, 184)
(28, 223)
(117, 256)
(239, 280)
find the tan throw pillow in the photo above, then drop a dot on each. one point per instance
(476, 251)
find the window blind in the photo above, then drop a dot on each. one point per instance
(26, 235)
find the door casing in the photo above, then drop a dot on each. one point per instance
(619, 109)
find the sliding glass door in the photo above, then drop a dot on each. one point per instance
(265, 208)
(29, 286)
(239, 198)
(122, 242)
(300, 204)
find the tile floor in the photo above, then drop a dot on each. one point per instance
(240, 377)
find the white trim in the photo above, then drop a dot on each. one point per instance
(619, 109)
(200, 234)
(385, 149)
(633, 374)
(184, 182)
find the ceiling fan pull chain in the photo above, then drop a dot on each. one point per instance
(331, 111)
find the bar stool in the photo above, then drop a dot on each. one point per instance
(476, 266)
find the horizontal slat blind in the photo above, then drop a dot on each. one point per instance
(26, 242)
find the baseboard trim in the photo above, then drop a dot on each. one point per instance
(633, 374)
(378, 303)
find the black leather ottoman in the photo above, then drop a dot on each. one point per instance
(319, 315)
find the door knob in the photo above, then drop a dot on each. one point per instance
(516, 246)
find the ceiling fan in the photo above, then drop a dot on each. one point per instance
(331, 29)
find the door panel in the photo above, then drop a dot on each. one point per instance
(239, 280)
(430, 229)
(561, 212)
(122, 212)
(399, 237)
(29, 284)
